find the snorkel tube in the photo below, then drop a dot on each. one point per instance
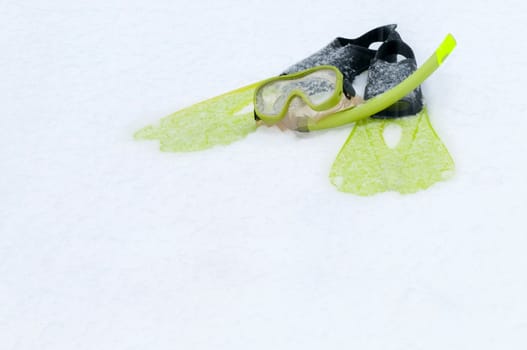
(388, 98)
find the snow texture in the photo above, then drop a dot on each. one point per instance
(107, 243)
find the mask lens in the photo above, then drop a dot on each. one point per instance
(317, 87)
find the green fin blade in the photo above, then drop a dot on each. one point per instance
(220, 120)
(366, 165)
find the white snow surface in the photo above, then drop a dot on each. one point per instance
(107, 243)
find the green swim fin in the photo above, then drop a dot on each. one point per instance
(370, 161)
(366, 164)
(220, 120)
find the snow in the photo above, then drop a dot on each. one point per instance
(107, 243)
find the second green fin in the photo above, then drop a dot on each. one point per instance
(220, 120)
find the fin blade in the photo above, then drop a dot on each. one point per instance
(365, 165)
(220, 120)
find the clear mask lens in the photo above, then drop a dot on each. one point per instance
(316, 88)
